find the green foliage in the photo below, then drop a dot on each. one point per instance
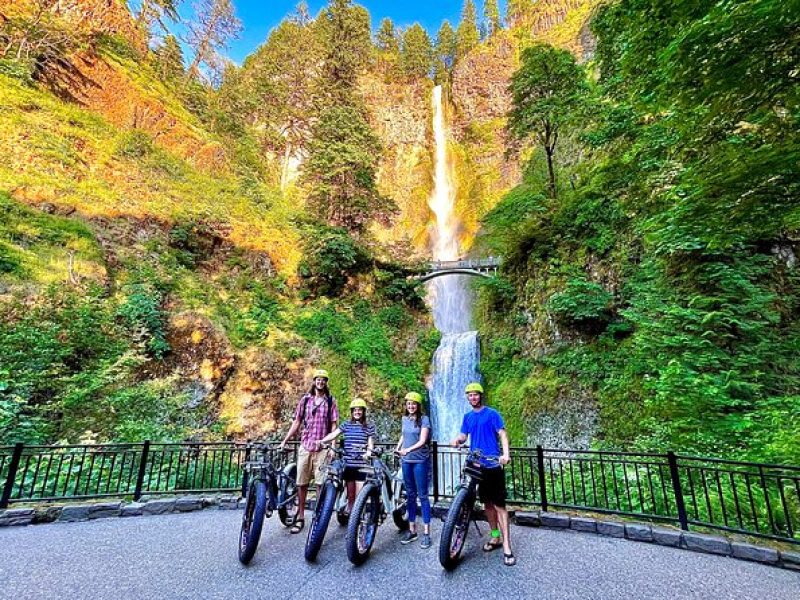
(417, 52)
(679, 216)
(264, 312)
(142, 314)
(345, 31)
(386, 39)
(467, 34)
(546, 92)
(134, 144)
(371, 339)
(581, 304)
(169, 60)
(331, 257)
(491, 17)
(340, 170)
(18, 69)
(396, 286)
(444, 52)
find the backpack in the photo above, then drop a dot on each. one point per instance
(328, 404)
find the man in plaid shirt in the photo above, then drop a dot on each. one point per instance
(317, 414)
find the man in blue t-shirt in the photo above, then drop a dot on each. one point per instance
(484, 425)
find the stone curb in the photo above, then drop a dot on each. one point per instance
(152, 505)
(662, 536)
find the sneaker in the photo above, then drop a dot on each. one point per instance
(426, 541)
(408, 537)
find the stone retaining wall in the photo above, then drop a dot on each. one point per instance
(98, 510)
(663, 536)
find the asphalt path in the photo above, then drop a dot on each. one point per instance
(188, 556)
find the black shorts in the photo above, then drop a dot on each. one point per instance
(492, 488)
(354, 474)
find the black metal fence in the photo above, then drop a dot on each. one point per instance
(742, 497)
(47, 473)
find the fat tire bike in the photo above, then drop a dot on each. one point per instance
(330, 499)
(383, 493)
(269, 488)
(456, 524)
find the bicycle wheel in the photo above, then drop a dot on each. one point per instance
(400, 512)
(320, 520)
(363, 524)
(454, 532)
(287, 490)
(252, 520)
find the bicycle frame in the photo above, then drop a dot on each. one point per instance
(263, 469)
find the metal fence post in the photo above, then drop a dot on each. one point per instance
(435, 471)
(676, 486)
(12, 475)
(540, 466)
(137, 494)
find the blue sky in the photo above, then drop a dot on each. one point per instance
(260, 16)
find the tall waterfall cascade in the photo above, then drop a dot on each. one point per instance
(455, 362)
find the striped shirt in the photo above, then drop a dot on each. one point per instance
(355, 441)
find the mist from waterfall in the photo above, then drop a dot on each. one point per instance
(455, 362)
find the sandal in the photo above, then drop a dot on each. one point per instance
(509, 560)
(297, 526)
(490, 545)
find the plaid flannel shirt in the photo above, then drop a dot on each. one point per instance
(316, 421)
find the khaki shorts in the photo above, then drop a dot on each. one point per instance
(311, 466)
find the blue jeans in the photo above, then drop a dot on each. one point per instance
(415, 478)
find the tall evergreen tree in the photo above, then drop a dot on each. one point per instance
(417, 53)
(343, 153)
(386, 38)
(446, 44)
(340, 170)
(344, 30)
(491, 17)
(467, 34)
(169, 59)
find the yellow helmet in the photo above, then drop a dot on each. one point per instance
(321, 373)
(357, 403)
(473, 387)
(414, 397)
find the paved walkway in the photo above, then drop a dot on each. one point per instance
(194, 556)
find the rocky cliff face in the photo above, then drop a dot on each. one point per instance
(481, 101)
(400, 114)
(563, 23)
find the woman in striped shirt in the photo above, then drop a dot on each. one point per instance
(359, 439)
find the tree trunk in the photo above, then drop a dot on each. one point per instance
(549, 151)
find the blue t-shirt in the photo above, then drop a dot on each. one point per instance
(482, 427)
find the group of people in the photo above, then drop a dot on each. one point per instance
(316, 418)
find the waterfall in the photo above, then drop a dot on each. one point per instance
(455, 362)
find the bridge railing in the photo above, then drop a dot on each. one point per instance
(754, 499)
(467, 263)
